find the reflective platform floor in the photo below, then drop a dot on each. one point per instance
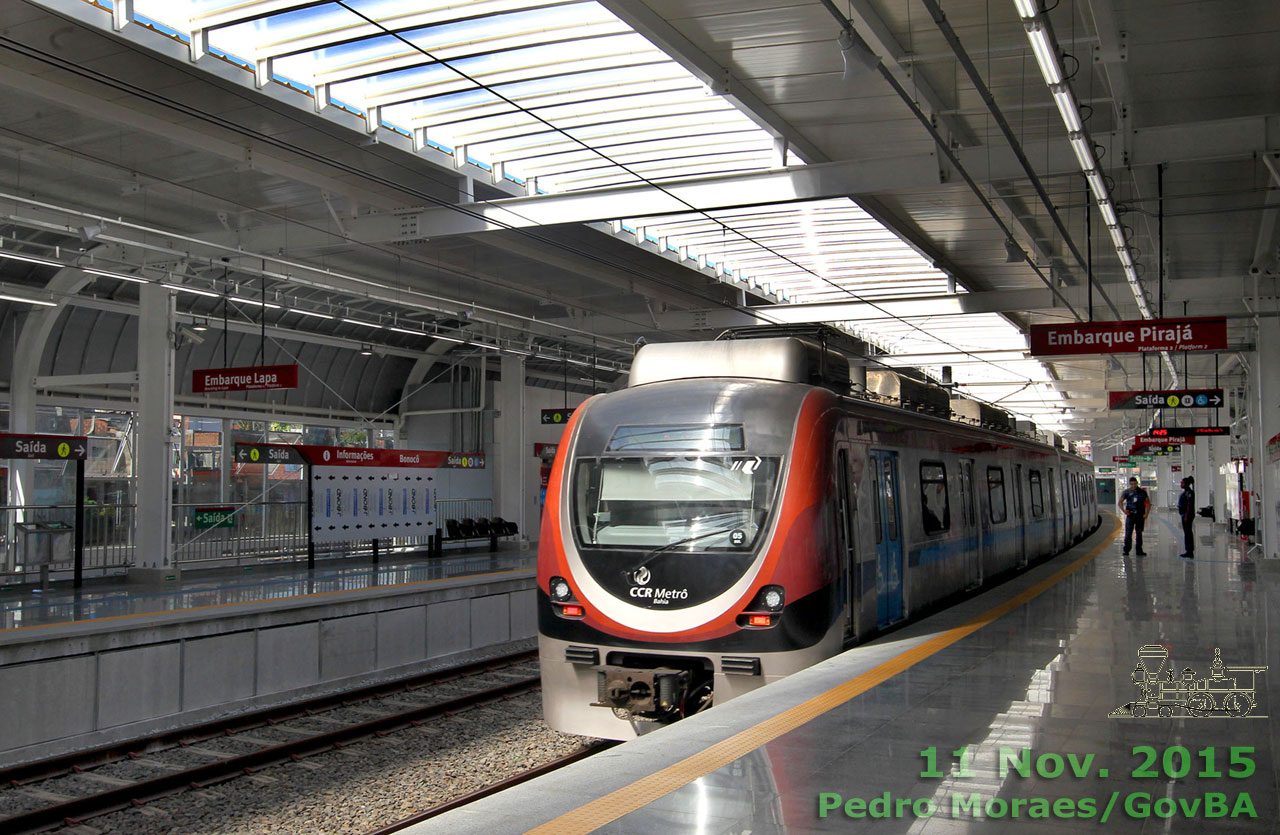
(116, 597)
(1017, 710)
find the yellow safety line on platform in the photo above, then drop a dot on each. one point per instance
(160, 612)
(609, 808)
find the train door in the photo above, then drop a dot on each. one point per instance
(884, 485)
(1020, 515)
(846, 511)
(973, 534)
(1069, 511)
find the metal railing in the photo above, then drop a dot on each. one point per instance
(108, 535)
(263, 532)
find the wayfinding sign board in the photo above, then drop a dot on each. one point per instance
(556, 416)
(1129, 337)
(1177, 399)
(44, 447)
(247, 378)
(1165, 439)
(268, 454)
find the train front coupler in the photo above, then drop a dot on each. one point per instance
(651, 694)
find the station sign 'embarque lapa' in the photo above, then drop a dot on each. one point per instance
(247, 378)
(1129, 337)
(1172, 399)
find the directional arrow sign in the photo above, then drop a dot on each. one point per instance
(44, 447)
(1176, 399)
(267, 454)
(556, 416)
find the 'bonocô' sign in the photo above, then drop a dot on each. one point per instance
(249, 378)
(1141, 336)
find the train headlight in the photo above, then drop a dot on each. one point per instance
(772, 598)
(560, 590)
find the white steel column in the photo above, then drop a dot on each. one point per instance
(1164, 480)
(510, 444)
(1264, 415)
(154, 548)
(1219, 456)
(1203, 471)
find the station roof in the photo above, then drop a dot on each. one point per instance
(560, 178)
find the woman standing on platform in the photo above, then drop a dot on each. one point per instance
(1187, 510)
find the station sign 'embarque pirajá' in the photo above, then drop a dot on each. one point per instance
(1130, 337)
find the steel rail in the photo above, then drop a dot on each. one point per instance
(77, 809)
(92, 758)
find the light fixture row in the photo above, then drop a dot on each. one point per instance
(7, 294)
(1047, 59)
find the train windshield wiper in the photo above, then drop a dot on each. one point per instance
(661, 549)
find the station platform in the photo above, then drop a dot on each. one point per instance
(118, 660)
(1034, 679)
(117, 597)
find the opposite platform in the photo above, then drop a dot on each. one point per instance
(127, 661)
(1034, 671)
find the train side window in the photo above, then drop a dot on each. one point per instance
(935, 506)
(1037, 493)
(995, 495)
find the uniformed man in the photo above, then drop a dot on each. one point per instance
(1187, 511)
(1136, 507)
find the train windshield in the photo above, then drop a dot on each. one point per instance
(717, 503)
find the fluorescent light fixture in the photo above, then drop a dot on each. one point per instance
(311, 313)
(255, 302)
(447, 338)
(366, 350)
(31, 259)
(359, 322)
(1125, 259)
(182, 288)
(1097, 184)
(1067, 108)
(1044, 53)
(24, 300)
(406, 330)
(1026, 8)
(518, 351)
(120, 276)
(1084, 154)
(1108, 213)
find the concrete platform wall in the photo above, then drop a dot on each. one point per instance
(87, 684)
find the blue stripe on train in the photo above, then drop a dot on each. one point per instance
(946, 549)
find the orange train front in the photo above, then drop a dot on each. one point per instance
(730, 518)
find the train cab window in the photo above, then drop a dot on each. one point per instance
(935, 507)
(693, 503)
(1037, 493)
(995, 495)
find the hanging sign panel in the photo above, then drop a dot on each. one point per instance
(1176, 399)
(248, 378)
(556, 417)
(268, 454)
(1139, 336)
(46, 447)
(1164, 437)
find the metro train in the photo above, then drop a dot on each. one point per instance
(741, 511)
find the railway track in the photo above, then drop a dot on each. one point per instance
(71, 789)
(494, 788)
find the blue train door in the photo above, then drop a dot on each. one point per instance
(889, 574)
